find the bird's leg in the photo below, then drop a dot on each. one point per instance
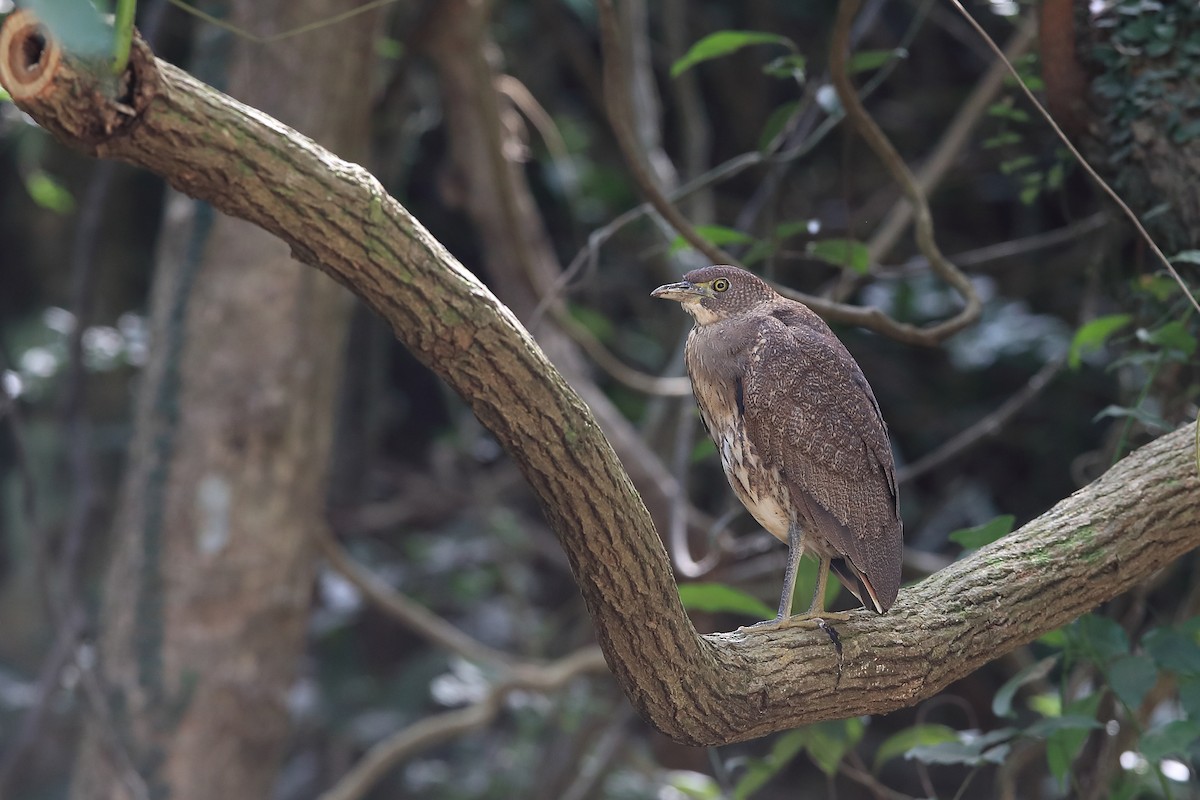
(795, 550)
(817, 606)
(816, 613)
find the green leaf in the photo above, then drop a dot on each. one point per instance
(5, 97)
(1189, 696)
(797, 227)
(389, 48)
(1044, 728)
(1147, 418)
(723, 43)
(847, 253)
(1158, 286)
(716, 234)
(1014, 164)
(1099, 638)
(789, 67)
(704, 449)
(1002, 702)
(868, 60)
(1063, 745)
(1130, 677)
(1001, 140)
(760, 771)
(1187, 257)
(775, 122)
(1048, 704)
(1173, 336)
(1173, 739)
(48, 193)
(1094, 334)
(597, 324)
(719, 598)
(1173, 650)
(972, 749)
(988, 532)
(901, 742)
(829, 742)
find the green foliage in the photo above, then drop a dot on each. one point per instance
(980, 535)
(775, 123)
(1151, 56)
(1002, 702)
(388, 48)
(845, 253)
(718, 598)
(48, 193)
(904, 741)
(1063, 744)
(969, 748)
(1092, 336)
(826, 743)
(5, 97)
(867, 60)
(1034, 176)
(714, 234)
(1173, 337)
(788, 67)
(722, 43)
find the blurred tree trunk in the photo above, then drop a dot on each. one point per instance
(207, 599)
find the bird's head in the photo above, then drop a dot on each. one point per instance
(712, 294)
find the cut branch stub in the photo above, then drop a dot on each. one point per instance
(34, 68)
(30, 56)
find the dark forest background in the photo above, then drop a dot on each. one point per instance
(1085, 349)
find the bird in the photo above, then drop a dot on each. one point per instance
(801, 437)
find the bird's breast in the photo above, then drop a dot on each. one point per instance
(760, 487)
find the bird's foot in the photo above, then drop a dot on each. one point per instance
(807, 620)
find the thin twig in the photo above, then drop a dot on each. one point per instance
(1083, 162)
(952, 141)
(415, 617)
(333, 19)
(866, 127)
(859, 774)
(428, 732)
(1002, 250)
(990, 425)
(607, 361)
(49, 681)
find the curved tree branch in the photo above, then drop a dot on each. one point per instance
(712, 689)
(866, 127)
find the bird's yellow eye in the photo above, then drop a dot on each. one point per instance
(720, 285)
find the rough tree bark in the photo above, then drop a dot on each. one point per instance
(206, 605)
(710, 689)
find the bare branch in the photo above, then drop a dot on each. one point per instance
(866, 127)
(990, 425)
(432, 731)
(951, 143)
(416, 618)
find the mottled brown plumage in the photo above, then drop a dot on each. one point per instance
(801, 438)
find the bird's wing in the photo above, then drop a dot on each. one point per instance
(810, 412)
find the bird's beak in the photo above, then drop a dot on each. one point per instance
(681, 292)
